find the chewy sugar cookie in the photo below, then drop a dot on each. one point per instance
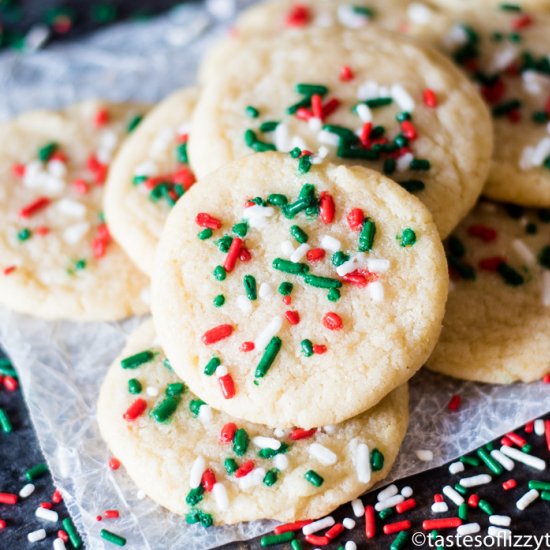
(515, 6)
(272, 290)
(218, 470)
(373, 98)
(497, 321)
(149, 174)
(57, 256)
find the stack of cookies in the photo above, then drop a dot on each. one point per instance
(299, 215)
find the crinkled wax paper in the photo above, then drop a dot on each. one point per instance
(62, 364)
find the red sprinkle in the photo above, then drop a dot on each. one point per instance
(101, 117)
(208, 480)
(370, 522)
(355, 219)
(80, 186)
(63, 535)
(244, 469)
(332, 321)
(298, 16)
(47, 505)
(473, 500)
(2, 524)
(227, 385)
(10, 269)
(319, 349)
(114, 463)
(522, 22)
(98, 518)
(391, 528)
(299, 433)
(335, 531)
(510, 484)
(406, 505)
(454, 403)
(247, 346)
(483, 232)
(547, 432)
(293, 317)
(346, 74)
(101, 241)
(137, 408)
(315, 254)
(206, 220)
(317, 106)
(228, 432)
(365, 136)
(516, 439)
(287, 300)
(294, 526)
(529, 427)
(360, 277)
(546, 379)
(34, 207)
(216, 334)
(506, 442)
(10, 383)
(232, 255)
(317, 540)
(111, 514)
(443, 523)
(495, 92)
(430, 99)
(8, 498)
(184, 177)
(492, 263)
(326, 207)
(408, 129)
(244, 254)
(57, 497)
(330, 106)
(18, 170)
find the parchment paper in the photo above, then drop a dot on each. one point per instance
(62, 364)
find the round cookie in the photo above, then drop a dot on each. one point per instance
(169, 441)
(417, 117)
(58, 260)
(326, 289)
(498, 314)
(537, 5)
(147, 177)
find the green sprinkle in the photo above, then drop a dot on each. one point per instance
(80, 264)
(505, 6)
(420, 164)
(321, 282)
(240, 229)
(299, 234)
(194, 496)
(271, 477)
(240, 442)
(181, 153)
(268, 357)
(304, 164)
(366, 237)
(401, 141)
(470, 461)
(195, 406)
(311, 89)
(46, 152)
(510, 275)
(402, 116)
(219, 273)
(460, 489)
(134, 123)
(339, 258)
(376, 460)
(276, 199)
(314, 478)
(249, 283)
(219, 300)
(165, 409)
(134, 386)
(545, 495)
(400, 541)
(307, 347)
(363, 10)
(544, 257)
(539, 485)
(250, 137)
(408, 237)
(456, 247)
(70, 529)
(205, 234)
(490, 462)
(135, 361)
(24, 235)
(263, 147)
(269, 125)
(297, 545)
(531, 228)
(211, 366)
(346, 152)
(5, 423)
(484, 506)
(463, 511)
(224, 243)
(36, 471)
(295, 153)
(502, 109)
(271, 540)
(230, 465)
(412, 185)
(390, 166)
(285, 288)
(112, 537)
(287, 266)
(298, 105)
(198, 516)
(252, 112)
(385, 514)
(378, 102)
(465, 271)
(166, 364)
(175, 389)
(333, 295)
(270, 453)
(6, 368)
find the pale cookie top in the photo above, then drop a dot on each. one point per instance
(56, 253)
(313, 296)
(373, 98)
(515, 5)
(214, 469)
(498, 314)
(149, 174)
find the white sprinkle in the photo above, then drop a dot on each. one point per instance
(385, 494)
(299, 253)
(58, 544)
(453, 495)
(27, 490)
(526, 159)
(402, 98)
(152, 391)
(253, 479)
(323, 523)
(266, 442)
(46, 515)
(456, 467)
(35, 536)
(347, 267)
(72, 208)
(498, 532)
(542, 150)
(57, 168)
(265, 291)
(527, 499)
(502, 521)
(535, 83)
(389, 503)
(358, 507)
(330, 429)
(362, 463)
(280, 462)
(503, 460)
(423, 454)
(368, 90)
(244, 304)
(539, 426)
(321, 453)
(407, 492)
(36, 37)
(280, 432)
(147, 168)
(468, 529)
(419, 13)
(545, 298)
(257, 215)
(503, 58)
(348, 523)
(315, 124)
(350, 545)
(140, 495)
(287, 248)
(328, 138)
(351, 19)
(525, 458)
(197, 469)
(222, 9)
(74, 233)
(221, 370)
(205, 414)
(330, 243)
(364, 112)
(297, 141)
(457, 36)
(281, 138)
(377, 265)
(220, 495)
(271, 330)
(523, 251)
(439, 507)
(321, 155)
(403, 162)
(474, 481)
(376, 291)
